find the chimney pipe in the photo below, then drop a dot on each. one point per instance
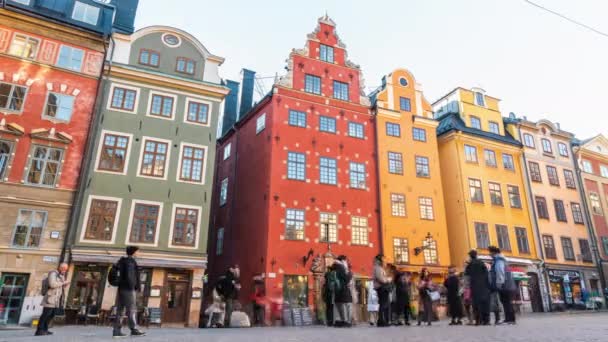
(231, 106)
(247, 85)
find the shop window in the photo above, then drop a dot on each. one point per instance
(295, 291)
(87, 287)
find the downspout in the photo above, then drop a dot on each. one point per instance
(532, 203)
(590, 229)
(87, 158)
(378, 186)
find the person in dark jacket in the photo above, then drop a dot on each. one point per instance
(480, 288)
(425, 303)
(126, 298)
(402, 292)
(228, 288)
(452, 285)
(344, 296)
(500, 279)
(329, 295)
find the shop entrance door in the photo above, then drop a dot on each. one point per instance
(176, 300)
(535, 296)
(11, 296)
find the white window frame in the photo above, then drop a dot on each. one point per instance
(87, 8)
(10, 95)
(124, 86)
(198, 225)
(227, 150)
(163, 94)
(483, 98)
(85, 220)
(604, 170)
(42, 230)
(179, 164)
(100, 148)
(587, 166)
(365, 229)
(27, 38)
(425, 215)
(72, 49)
(52, 118)
(260, 123)
(141, 157)
(202, 101)
(134, 202)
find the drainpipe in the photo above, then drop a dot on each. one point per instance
(539, 246)
(87, 159)
(590, 229)
(378, 186)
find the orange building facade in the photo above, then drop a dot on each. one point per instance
(413, 223)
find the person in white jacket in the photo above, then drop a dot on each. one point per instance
(372, 303)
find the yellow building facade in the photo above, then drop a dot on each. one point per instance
(485, 190)
(414, 230)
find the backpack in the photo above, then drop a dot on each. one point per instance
(334, 283)
(114, 274)
(45, 285)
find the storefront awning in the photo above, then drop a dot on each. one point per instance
(143, 262)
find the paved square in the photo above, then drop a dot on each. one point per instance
(532, 328)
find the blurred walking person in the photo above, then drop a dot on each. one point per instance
(425, 302)
(344, 296)
(477, 272)
(53, 288)
(452, 284)
(126, 298)
(402, 292)
(372, 303)
(382, 285)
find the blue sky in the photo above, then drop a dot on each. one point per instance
(540, 65)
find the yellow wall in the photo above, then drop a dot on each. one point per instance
(460, 211)
(411, 227)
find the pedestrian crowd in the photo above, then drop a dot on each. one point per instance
(475, 293)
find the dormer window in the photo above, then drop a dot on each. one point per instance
(326, 53)
(494, 127)
(480, 99)
(185, 65)
(86, 13)
(149, 58)
(475, 122)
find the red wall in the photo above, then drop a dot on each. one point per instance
(31, 117)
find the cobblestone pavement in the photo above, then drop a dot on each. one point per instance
(533, 328)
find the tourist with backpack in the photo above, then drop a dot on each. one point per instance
(228, 288)
(501, 281)
(383, 286)
(53, 290)
(125, 275)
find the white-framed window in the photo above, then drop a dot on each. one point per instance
(563, 149)
(294, 224)
(154, 158)
(401, 251)
(360, 230)
(587, 166)
(596, 204)
(470, 154)
(86, 13)
(547, 147)
(422, 167)
(6, 150)
(395, 163)
(28, 228)
(430, 252)
(326, 53)
(219, 246)
(328, 171)
(508, 162)
(357, 175)
(224, 191)
(328, 225)
(398, 205)
(260, 123)
(123, 99)
(59, 107)
(12, 97)
(227, 149)
(296, 166)
(24, 46)
(419, 134)
(45, 166)
(70, 58)
(529, 140)
(144, 222)
(604, 171)
(480, 99)
(490, 157)
(185, 226)
(114, 151)
(393, 129)
(192, 163)
(161, 105)
(494, 127)
(355, 130)
(475, 122)
(426, 208)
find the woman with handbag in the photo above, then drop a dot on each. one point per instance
(426, 290)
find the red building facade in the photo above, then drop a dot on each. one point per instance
(296, 178)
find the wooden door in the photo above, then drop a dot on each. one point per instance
(176, 301)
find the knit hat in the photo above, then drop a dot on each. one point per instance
(131, 250)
